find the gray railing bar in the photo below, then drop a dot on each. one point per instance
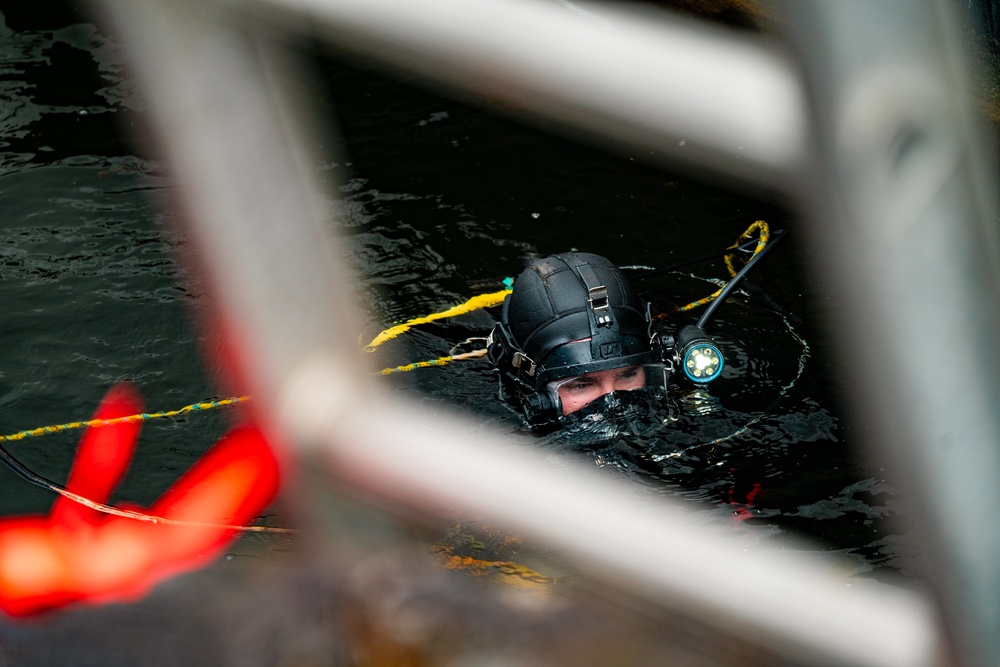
(904, 202)
(708, 98)
(783, 599)
(220, 108)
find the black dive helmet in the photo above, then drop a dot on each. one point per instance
(568, 315)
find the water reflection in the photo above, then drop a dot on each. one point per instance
(91, 291)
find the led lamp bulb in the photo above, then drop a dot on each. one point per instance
(700, 358)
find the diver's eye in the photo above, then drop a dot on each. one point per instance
(627, 379)
(578, 386)
(628, 373)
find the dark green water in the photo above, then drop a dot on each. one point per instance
(441, 199)
(91, 295)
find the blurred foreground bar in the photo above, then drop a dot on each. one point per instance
(901, 190)
(225, 113)
(711, 99)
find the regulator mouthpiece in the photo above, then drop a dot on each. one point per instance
(698, 355)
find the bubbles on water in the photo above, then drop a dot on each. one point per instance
(614, 415)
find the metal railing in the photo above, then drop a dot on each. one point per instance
(869, 129)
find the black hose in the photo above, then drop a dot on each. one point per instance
(18, 468)
(778, 236)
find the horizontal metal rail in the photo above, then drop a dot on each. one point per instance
(706, 98)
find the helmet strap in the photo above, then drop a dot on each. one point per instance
(605, 336)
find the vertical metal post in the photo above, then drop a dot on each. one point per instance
(903, 207)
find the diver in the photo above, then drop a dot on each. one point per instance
(573, 330)
(574, 343)
(573, 337)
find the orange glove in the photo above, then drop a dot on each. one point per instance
(79, 554)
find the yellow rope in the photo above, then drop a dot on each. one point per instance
(440, 361)
(764, 235)
(694, 304)
(195, 407)
(476, 302)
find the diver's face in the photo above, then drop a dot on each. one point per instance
(584, 389)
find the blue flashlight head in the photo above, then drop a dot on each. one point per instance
(698, 355)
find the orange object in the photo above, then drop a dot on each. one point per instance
(79, 554)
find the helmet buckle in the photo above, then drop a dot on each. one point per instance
(597, 293)
(598, 297)
(521, 359)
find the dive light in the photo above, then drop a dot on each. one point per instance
(698, 355)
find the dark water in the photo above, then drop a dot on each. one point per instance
(90, 291)
(441, 200)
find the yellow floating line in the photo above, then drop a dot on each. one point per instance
(763, 236)
(195, 407)
(475, 303)
(700, 302)
(440, 361)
